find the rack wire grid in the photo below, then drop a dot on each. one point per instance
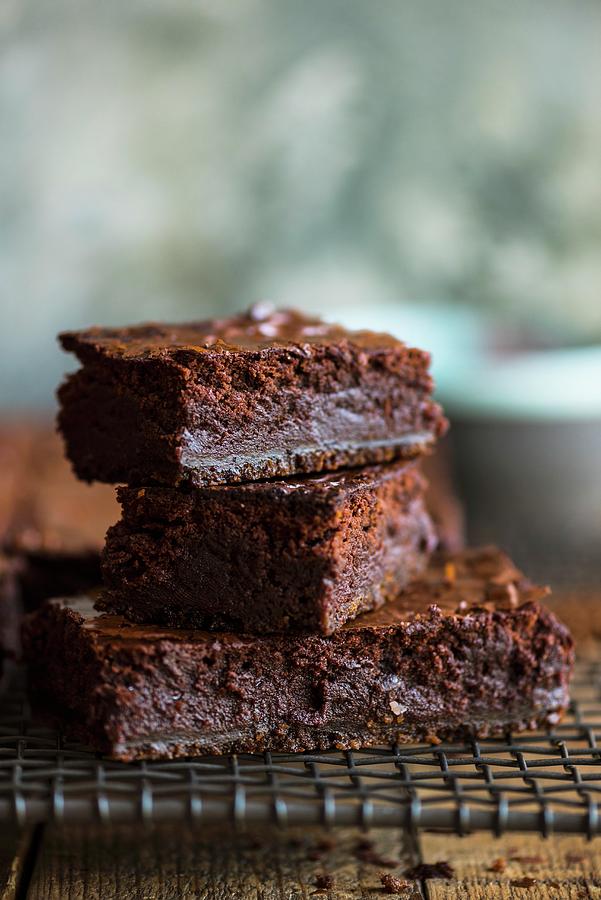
(542, 781)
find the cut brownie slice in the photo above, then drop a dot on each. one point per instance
(468, 651)
(260, 395)
(299, 555)
(52, 527)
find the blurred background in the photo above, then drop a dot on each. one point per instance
(431, 168)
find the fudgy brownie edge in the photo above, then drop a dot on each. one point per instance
(299, 555)
(468, 651)
(261, 395)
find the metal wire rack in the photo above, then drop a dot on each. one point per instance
(545, 781)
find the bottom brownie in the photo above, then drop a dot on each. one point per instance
(466, 651)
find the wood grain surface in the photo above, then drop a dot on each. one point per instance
(172, 863)
(516, 866)
(15, 853)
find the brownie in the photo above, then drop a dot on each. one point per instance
(263, 394)
(28, 581)
(304, 554)
(466, 651)
(51, 526)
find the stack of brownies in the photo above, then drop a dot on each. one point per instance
(272, 582)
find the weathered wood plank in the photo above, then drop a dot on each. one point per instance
(14, 848)
(515, 866)
(178, 864)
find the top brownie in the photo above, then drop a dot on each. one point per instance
(262, 394)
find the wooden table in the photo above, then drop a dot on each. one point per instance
(216, 864)
(169, 863)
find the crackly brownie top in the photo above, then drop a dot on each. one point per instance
(475, 579)
(260, 328)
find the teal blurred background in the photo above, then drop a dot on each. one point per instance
(359, 159)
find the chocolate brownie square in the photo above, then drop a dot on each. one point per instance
(304, 554)
(467, 651)
(260, 395)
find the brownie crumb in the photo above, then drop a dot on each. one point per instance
(392, 884)
(498, 865)
(324, 882)
(450, 573)
(525, 882)
(365, 852)
(440, 869)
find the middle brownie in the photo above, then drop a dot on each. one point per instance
(296, 555)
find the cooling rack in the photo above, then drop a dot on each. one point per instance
(541, 781)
